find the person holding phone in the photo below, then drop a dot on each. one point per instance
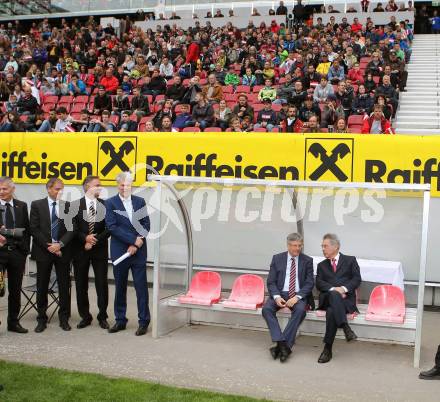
(290, 284)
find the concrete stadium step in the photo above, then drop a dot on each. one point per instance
(426, 119)
(420, 131)
(410, 111)
(421, 90)
(417, 125)
(417, 95)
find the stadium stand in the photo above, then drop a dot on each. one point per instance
(66, 64)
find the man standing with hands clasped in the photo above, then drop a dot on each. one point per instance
(337, 279)
(128, 223)
(290, 284)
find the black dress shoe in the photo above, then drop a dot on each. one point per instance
(84, 323)
(64, 325)
(285, 352)
(116, 328)
(41, 326)
(275, 352)
(349, 334)
(433, 374)
(142, 330)
(17, 328)
(326, 356)
(104, 324)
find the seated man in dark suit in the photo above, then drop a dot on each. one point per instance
(337, 279)
(290, 284)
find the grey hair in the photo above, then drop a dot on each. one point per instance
(295, 237)
(7, 180)
(124, 177)
(334, 239)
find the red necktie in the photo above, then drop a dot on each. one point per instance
(334, 264)
(292, 279)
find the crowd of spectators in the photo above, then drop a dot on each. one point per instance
(81, 76)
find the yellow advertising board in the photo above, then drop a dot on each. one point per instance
(34, 158)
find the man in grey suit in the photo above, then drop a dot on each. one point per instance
(290, 284)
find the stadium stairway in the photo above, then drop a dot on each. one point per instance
(419, 106)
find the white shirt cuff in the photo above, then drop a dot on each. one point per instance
(346, 290)
(299, 297)
(276, 297)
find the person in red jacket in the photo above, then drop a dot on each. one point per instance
(109, 82)
(376, 123)
(356, 26)
(193, 52)
(355, 75)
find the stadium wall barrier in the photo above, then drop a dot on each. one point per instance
(378, 18)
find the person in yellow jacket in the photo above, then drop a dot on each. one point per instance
(267, 92)
(324, 65)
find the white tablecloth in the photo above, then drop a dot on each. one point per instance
(390, 272)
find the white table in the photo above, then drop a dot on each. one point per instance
(390, 272)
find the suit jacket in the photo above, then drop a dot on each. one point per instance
(21, 221)
(347, 274)
(100, 249)
(123, 233)
(40, 230)
(277, 276)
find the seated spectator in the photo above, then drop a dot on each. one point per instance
(370, 85)
(355, 74)
(27, 104)
(156, 85)
(311, 126)
(12, 123)
(386, 108)
(63, 123)
(126, 124)
(344, 98)
(331, 113)
(202, 113)
(376, 123)
(48, 125)
(335, 72)
(308, 109)
(282, 114)
(166, 125)
(183, 119)
(166, 69)
(356, 26)
(82, 124)
(120, 102)
(389, 92)
(48, 88)
(243, 109)
(398, 71)
(76, 86)
(104, 125)
(218, 14)
(231, 77)
(298, 96)
(267, 117)
(247, 125)
(350, 58)
(235, 125)
(222, 115)
(176, 91)
(391, 6)
(149, 128)
(166, 110)
(220, 74)
(375, 66)
(141, 67)
(268, 92)
(249, 79)
(139, 104)
(12, 104)
(341, 126)
(102, 101)
(323, 90)
(193, 89)
(213, 91)
(109, 82)
(268, 71)
(362, 102)
(324, 65)
(379, 8)
(311, 78)
(126, 85)
(285, 90)
(291, 123)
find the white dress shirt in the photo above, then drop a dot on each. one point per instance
(128, 205)
(3, 204)
(287, 279)
(90, 201)
(336, 258)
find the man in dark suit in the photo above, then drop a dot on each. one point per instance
(337, 279)
(290, 284)
(52, 230)
(13, 251)
(128, 223)
(90, 246)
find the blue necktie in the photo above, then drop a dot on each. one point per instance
(54, 222)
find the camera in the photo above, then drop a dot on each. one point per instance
(16, 233)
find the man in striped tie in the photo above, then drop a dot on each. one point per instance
(337, 279)
(91, 248)
(290, 284)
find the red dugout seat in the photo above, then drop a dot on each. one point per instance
(247, 293)
(355, 120)
(205, 289)
(191, 129)
(212, 129)
(387, 304)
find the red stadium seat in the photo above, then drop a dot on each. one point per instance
(81, 99)
(258, 107)
(114, 118)
(355, 120)
(387, 304)
(159, 98)
(228, 89)
(66, 99)
(212, 129)
(229, 97)
(178, 108)
(242, 89)
(260, 130)
(247, 293)
(67, 105)
(275, 130)
(47, 107)
(257, 88)
(276, 107)
(191, 129)
(77, 107)
(51, 99)
(355, 129)
(205, 289)
(376, 79)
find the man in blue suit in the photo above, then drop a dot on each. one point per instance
(128, 223)
(290, 284)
